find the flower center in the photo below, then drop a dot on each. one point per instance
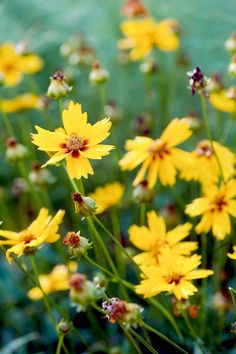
(75, 143)
(204, 149)
(26, 236)
(219, 203)
(173, 278)
(159, 149)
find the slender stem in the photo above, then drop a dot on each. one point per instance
(233, 296)
(102, 91)
(131, 339)
(116, 232)
(142, 213)
(7, 124)
(59, 345)
(189, 326)
(143, 341)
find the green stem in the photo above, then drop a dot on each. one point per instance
(233, 296)
(102, 92)
(116, 232)
(131, 339)
(59, 345)
(143, 341)
(142, 213)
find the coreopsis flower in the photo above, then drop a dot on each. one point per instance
(203, 165)
(44, 229)
(153, 239)
(77, 245)
(222, 101)
(20, 103)
(233, 254)
(58, 87)
(197, 80)
(143, 35)
(215, 206)
(78, 142)
(173, 274)
(107, 196)
(57, 280)
(13, 65)
(159, 157)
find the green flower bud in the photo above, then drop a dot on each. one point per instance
(77, 245)
(98, 75)
(230, 43)
(64, 326)
(58, 88)
(149, 67)
(84, 206)
(143, 194)
(15, 151)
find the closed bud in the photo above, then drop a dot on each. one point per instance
(230, 43)
(232, 67)
(84, 206)
(149, 67)
(19, 187)
(77, 245)
(15, 151)
(98, 74)
(143, 194)
(193, 121)
(170, 214)
(113, 112)
(41, 177)
(100, 281)
(58, 87)
(133, 8)
(64, 326)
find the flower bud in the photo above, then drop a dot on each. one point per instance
(84, 206)
(100, 281)
(133, 8)
(232, 67)
(19, 187)
(193, 121)
(220, 302)
(22, 48)
(143, 194)
(58, 87)
(231, 92)
(149, 67)
(113, 112)
(77, 245)
(64, 326)
(98, 74)
(41, 177)
(197, 80)
(143, 124)
(230, 43)
(15, 151)
(170, 214)
(215, 83)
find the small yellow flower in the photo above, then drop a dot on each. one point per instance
(43, 229)
(13, 65)
(215, 206)
(154, 238)
(142, 35)
(173, 274)
(222, 102)
(57, 280)
(159, 157)
(107, 196)
(232, 255)
(203, 165)
(78, 142)
(20, 103)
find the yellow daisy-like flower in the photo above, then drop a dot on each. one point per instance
(107, 196)
(154, 238)
(78, 142)
(215, 206)
(57, 280)
(43, 229)
(222, 102)
(13, 65)
(159, 157)
(203, 165)
(20, 103)
(142, 35)
(174, 274)
(232, 255)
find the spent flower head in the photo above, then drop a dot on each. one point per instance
(197, 80)
(77, 245)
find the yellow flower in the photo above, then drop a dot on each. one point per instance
(215, 206)
(154, 238)
(173, 274)
(20, 103)
(232, 255)
(142, 35)
(220, 101)
(43, 229)
(57, 280)
(203, 166)
(13, 65)
(107, 196)
(159, 157)
(78, 142)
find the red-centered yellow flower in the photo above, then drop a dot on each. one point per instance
(43, 229)
(13, 65)
(57, 280)
(78, 142)
(222, 102)
(142, 35)
(159, 157)
(215, 206)
(107, 196)
(20, 103)
(232, 255)
(154, 238)
(173, 274)
(203, 165)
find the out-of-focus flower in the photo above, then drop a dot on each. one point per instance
(153, 239)
(143, 194)
(43, 229)
(98, 74)
(159, 157)
(215, 83)
(84, 206)
(232, 67)
(143, 35)
(78, 142)
(64, 326)
(143, 124)
(107, 196)
(41, 177)
(20, 103)
(203, 165)
(19, 187)
(113, 111)
(13, 65)
(222, 101)
(170, 215)
(133, 8)
(230, 43)
(180, 307)
(215, 206)
(100, 280)
(58, 87)
(233, 254)
(220, 302)
(149, 66)
(15, 151)
(77, 245)
(126, 312)
(193, 121)
(174, 274)
(57, 280)
(197, 80)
